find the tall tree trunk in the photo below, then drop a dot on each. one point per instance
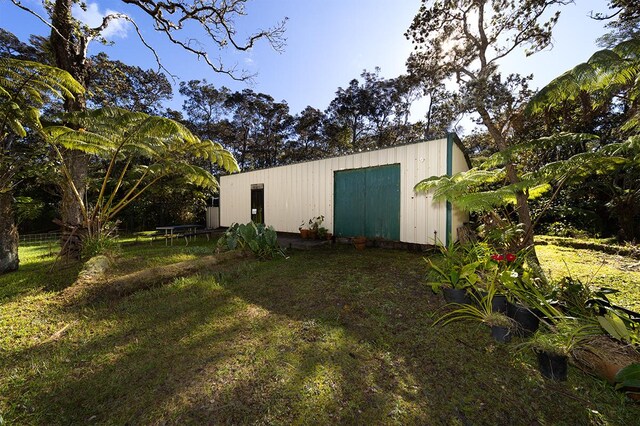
(69, 49)
(8, 234)
(522, 203)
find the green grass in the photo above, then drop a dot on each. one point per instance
(329, 336)
(596, 268)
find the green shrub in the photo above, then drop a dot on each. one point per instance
(100, 244)
(561, 229)
(261, 240)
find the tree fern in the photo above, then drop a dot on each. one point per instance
(139, 150)
(24, 87)
(607, 71)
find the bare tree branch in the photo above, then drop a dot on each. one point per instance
(18, 4)
(217, 19)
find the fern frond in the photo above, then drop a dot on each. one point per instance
(545, 143)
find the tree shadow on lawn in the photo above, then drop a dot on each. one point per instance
(326, 337)
(442, 374)
(125, 359)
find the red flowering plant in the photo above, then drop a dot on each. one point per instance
(504, 269)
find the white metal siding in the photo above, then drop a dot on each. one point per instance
(459, 164)
(298, 192)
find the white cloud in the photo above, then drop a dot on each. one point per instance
(93, 17)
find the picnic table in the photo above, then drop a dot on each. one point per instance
(171, 231)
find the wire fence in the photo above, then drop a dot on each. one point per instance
(37, 239)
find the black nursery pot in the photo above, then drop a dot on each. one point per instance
(527, 322)
(498, 303)
(456, 295)
(552, 366)
(501, 334)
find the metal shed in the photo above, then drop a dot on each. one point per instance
(369, 193)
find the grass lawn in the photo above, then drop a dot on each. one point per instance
(595, 268)
(325, 337)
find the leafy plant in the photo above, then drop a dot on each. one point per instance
(457, 269)
(104, 243)
(561, 338)
(261, 240)
(315, 223)
(322, 232)
(629, 377)
(481, 311)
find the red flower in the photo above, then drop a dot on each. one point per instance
(511, 257)
(497, 257)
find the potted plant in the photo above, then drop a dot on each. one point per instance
(611, 352)
(314, 225)
(554, 344)
(304, 232)
(455, 275)
(324, 234)
(501, 326)
(359, 242)
(481, 311)
(500, 271)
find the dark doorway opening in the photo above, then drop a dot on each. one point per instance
(257, 203)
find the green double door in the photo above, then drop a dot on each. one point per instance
(367, 202)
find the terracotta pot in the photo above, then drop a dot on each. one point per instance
(359, 242)
(304, 233)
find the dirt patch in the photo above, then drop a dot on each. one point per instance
(114, 288)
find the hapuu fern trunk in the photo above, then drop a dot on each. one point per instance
(9, 260)
(70, 51)
(522, 200)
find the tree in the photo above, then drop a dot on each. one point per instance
(348, 110)
(373, 112)
(205, 108)
(24, 86)
(116, 84)
(140, 150)
(624, 22)
(258, 129)
(310, 141)
(608, 82)
(465, 40)
(70, 40)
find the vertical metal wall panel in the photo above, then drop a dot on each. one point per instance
(382, 202)
(349, 210)
(459, 165)
(298, 192)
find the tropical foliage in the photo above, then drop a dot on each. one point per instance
(25, 86)
(257, 238)
(135, 151)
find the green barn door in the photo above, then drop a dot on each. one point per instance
(367, 202)
(348, 211)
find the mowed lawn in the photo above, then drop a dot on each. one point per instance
(328, 336)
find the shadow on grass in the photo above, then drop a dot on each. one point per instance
(440, 374)
(325, 337)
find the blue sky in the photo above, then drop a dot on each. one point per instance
(329, 43)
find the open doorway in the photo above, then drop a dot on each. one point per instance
(257, 203)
